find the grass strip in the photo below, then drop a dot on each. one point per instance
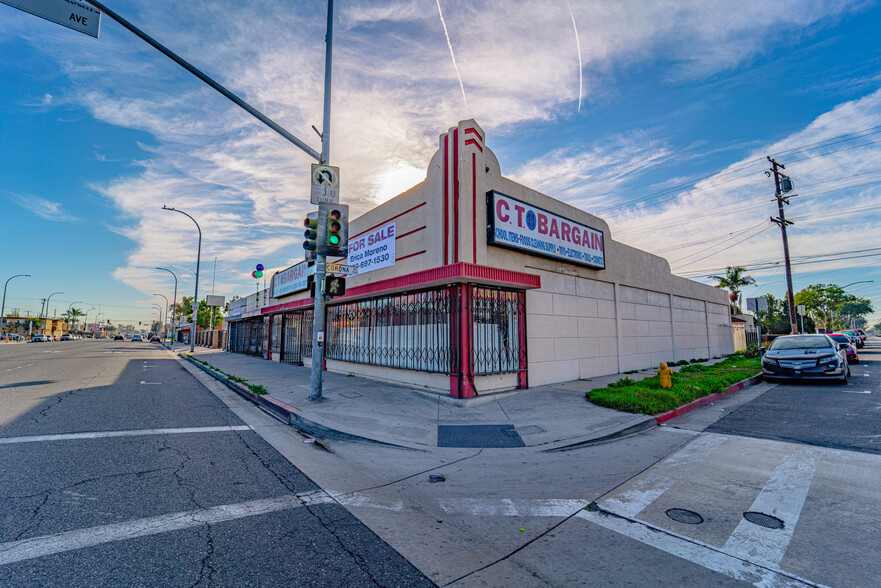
(255, 388)
(690, 382)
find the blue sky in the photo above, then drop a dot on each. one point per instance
(657, 117)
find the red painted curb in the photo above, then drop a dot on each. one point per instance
(664, 417)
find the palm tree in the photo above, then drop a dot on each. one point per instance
(735, 277)
(72, 315)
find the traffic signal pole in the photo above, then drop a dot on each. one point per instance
(321, 260)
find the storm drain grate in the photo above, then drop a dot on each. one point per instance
(689, 517)
(478, 436)
(763, 520)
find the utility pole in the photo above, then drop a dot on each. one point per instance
(321, 260)
(783, 185)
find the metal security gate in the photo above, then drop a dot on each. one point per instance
(297, 337)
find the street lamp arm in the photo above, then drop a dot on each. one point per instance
(196, 292)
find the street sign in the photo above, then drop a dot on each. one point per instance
(757, 304)
(68, 13)
(340, 268)
(325, 184)
(212, 300)
(800, 309)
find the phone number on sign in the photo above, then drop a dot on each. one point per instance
(374, 260)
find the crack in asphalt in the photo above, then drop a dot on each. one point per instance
(327, 524)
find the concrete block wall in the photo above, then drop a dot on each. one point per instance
(574, 326)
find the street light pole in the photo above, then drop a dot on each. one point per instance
(165, 322)
(47, 307)
(174, 301)
(3, 306)
(69, 306)
(86, 320)
(196, 294)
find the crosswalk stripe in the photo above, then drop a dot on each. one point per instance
(783, 497)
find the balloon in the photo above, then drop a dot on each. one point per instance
(254, 274)
(259, 267)
(258, 274)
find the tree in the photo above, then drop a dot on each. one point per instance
(735, 277)
(185, 308)
(72, 315)
(830, 305)
(205, 316)
(776, 319)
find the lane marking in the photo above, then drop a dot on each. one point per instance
(134, 433)
(151, 383)
(15, 551)
(17, 368)
(783, 497)
(694, 551)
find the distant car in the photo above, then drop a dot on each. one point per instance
(851, 349)
(155, 339)
(857, 340)
(806, 356)
(39, 338)
(137, 338)
(119, 337)
(65, 337)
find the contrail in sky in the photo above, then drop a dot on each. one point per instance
(450, 45)
(577, 43)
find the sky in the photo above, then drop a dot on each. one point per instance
(655, 116)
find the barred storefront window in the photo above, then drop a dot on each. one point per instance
(408, 331)
(496, 343)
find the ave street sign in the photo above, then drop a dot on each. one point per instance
(69, 13)
(325, 184)
(340, 268)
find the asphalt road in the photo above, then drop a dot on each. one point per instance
(120, 469)
(824, 414)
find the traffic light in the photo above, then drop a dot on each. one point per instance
(334, 286)
(311, 232)
(335, 241)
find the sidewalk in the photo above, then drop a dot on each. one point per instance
(548, 417)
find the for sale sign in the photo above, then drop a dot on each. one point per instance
(515, 224)
(373, 250)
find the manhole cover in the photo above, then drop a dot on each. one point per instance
(763, 520)
(689, 517)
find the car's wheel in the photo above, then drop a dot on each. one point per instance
(845, 376)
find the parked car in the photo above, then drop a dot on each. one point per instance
(65, 337)
(850, 348)
(39, 338)
(806, 356)
(137, 337)
(857, 340)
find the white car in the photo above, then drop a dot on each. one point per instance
(137, 338)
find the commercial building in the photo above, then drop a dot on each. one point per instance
(471, 283)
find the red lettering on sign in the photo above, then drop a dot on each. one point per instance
(542, 224)
(555, 230)
(564, 231)
(576, 235)
(520, 210)
(499, 214)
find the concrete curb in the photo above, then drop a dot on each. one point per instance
(288, 413)
(644, 425)
(685, 408)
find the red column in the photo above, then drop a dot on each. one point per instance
(462, 382)
(522, 380)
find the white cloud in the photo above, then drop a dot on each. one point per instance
(42, 207)
(394, 92)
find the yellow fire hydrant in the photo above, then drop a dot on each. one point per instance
(666, 376)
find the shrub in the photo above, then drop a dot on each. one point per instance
(752, 351)
(622, 383)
